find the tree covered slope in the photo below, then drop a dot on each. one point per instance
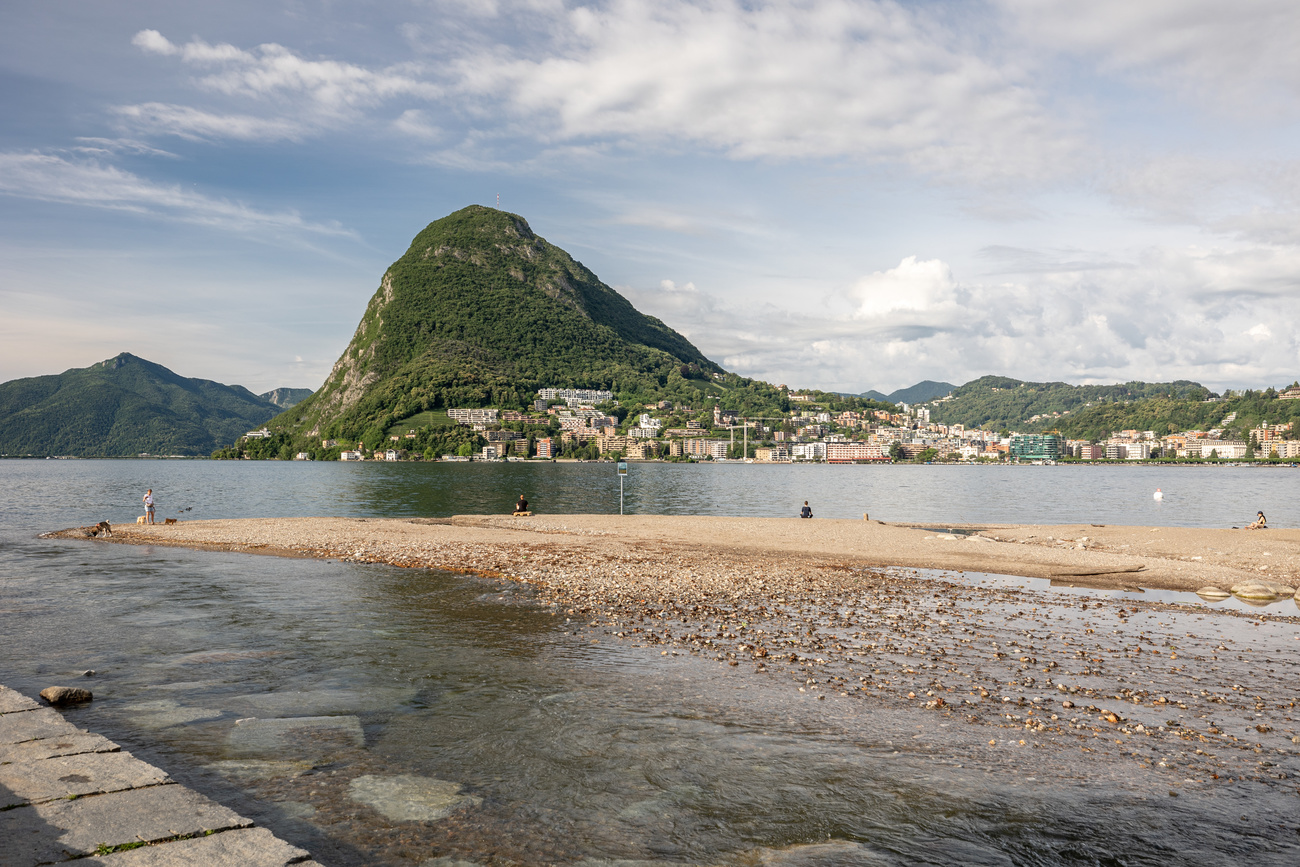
(124, 406)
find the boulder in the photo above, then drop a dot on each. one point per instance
(61, 695)
(1255, 590)
(1213, 593)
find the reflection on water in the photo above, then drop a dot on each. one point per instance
(383, 716)
(52, 494)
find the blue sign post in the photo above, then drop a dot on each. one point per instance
(622, 474)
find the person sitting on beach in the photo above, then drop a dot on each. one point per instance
(806, 511)
(522, 506)
(1261, 523)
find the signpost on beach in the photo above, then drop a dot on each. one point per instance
(622, 474)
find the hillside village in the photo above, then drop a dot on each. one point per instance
(591, 424)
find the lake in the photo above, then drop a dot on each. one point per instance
(561, 749)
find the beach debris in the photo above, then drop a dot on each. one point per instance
(64, 695)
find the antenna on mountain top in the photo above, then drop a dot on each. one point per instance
(498, 201)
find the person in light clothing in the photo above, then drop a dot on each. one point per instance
(148, 506)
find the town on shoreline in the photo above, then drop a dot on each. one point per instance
(590, 424)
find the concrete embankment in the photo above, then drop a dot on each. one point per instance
(70, 794)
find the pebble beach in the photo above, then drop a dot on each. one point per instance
(890, 617)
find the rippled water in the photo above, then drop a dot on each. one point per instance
(76, 492)
(578, 750)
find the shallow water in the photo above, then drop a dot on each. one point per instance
(578, 748)
(553, 742)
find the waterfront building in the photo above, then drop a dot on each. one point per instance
(1036, 447)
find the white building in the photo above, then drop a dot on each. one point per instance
(352, 456)
(474, 416)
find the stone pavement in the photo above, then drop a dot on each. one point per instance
(68, 794)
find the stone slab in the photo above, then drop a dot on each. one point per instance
(410, 798)
(322, 701)
(11, 700)
(64, 776)
(59, 830)
(165, 712)
(29, 725)
(255, 847)
(48, 748)
(296, 736)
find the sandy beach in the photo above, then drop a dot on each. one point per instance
(839, 610)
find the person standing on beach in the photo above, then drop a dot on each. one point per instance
(148, 506)
(806, 511)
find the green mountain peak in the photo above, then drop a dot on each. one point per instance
(481, 311)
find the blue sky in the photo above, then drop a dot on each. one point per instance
(844, 195)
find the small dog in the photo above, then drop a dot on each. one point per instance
(140, 520)
(103, 529)
(169, 521)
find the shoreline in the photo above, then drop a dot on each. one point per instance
(1107, 556)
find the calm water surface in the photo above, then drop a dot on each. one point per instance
(577, 751)
(35, 492)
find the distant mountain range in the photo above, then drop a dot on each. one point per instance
(126, 406)
(921, 392)
(1002, 403)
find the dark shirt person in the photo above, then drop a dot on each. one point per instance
(806, 511)
(522, 505)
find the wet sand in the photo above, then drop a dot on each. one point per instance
(836, 609)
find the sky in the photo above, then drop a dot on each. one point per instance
(837, 194)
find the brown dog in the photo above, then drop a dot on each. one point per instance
(103, 529)
(169, 520)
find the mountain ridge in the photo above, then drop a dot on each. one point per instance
(124, 405)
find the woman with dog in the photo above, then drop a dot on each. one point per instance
(148, 506)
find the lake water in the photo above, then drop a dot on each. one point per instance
(568, 750)
(65, 493)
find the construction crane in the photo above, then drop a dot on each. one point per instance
(745, 425)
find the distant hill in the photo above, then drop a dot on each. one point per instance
(480, 311)
(124, 406)
(999, 402)
(286, 397)
(919, 393)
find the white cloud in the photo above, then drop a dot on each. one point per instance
(914, 287)
(271, 69)
(1159, 314)
(53, 178)
(869, 81)
(153, 42)
(1239, 55)
(196, 125)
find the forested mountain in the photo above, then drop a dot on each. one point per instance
(124, 406)
(482, 312)
(1168, 415)
(999, 402)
